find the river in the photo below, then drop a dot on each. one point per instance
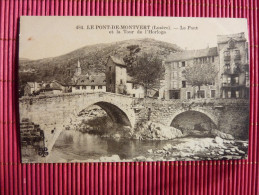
(76, 146)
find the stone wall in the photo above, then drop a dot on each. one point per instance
(229, 115)
(31, 134)
(54, 113)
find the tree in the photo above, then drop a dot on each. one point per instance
(130, 59)
(200, 74)
(147, 70)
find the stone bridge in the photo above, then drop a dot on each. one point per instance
(56, 112)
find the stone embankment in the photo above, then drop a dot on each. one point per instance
(32, 137)
(31, 134)
(202, 149)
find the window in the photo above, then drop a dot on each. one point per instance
(229, 94)
(121, 81)
(229, 80)
(110, 68)
(104, 81)
(237, 94)
(110, 81)
(183, 84)
(93, 87)
(237, 52)
(134, 95)
(227, 66)
(92, 81)
(236, 80)
(201, 94)
(212, 58)
(83, 87)
(231, 44)
(213, 93)
(100, 87)
(188, 95)
(183, 64)
(226, 53)
(174, 75)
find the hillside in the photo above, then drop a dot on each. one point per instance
(92, 58)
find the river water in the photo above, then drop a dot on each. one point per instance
(74, 146)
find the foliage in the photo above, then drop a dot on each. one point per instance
(131, 59)
(93, 59)
(147, 70)
(200, 74)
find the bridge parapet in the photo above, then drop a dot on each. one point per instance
(227, 114)
(216, 102)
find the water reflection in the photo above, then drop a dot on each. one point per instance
(74, 145)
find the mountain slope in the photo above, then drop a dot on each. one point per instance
(92, 59)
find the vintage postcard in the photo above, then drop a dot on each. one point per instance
(109, 89)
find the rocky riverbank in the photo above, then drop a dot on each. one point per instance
(189, 149)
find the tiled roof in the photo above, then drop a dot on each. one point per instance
(91, 80)
(190, 54)
(54, 85)
(118, 61)
(236, 37)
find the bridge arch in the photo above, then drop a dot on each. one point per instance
(196, 114)
(120, 113)
(115, 113)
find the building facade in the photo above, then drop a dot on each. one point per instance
(118, 81)
(134, 89)
(31, 88)
(233, 66)
(230, 61)
(116, 75)
(89, 84)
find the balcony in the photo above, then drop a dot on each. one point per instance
(237, 57)
(226, 58)
(237, 70)
(227, 71)
(232, 85)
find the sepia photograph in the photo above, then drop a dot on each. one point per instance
(123, 89)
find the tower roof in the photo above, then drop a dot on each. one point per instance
(78, 64)
(117, 61)
(236, 37)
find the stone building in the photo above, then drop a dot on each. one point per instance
(233, 74)
(116, 75)
(46, 88)
(85, 83)
(230, 60)
(176, 86)
(89, 84)
(134, 89)
(32, 88)
(118, 81)
(53, 87)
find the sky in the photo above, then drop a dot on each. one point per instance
(51, 36)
